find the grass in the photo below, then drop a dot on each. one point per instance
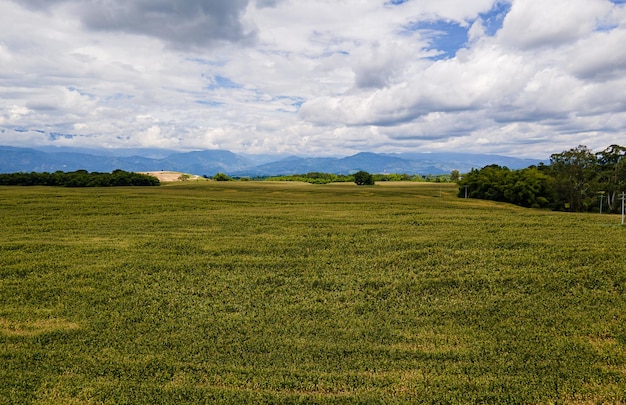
(255, 292)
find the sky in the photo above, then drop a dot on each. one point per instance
(523, 78)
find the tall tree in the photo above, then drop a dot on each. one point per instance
(574, 172)
(488, 183)
(612, 173)
(530, 187)
(362, 178)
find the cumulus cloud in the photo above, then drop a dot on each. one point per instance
(547, 75)
(595, 57)
(536, 23)
(181, 23)
(376, 65)
(544, 74)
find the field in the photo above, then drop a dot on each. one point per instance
(258, 292)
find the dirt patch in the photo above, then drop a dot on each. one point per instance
(166, 176)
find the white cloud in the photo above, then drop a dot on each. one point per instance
(538, 23)
(316, 77)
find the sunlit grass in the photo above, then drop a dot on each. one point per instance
(259, 292)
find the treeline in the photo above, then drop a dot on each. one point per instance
(79, 178)
(326, 178)
(575, 180)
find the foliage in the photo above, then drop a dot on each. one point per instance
(363, 178)
(573, 181)
(574, 172)
(326, 178)
(611, 174)
(397, 177)
(487, 183)
(222, 177)
(79, 178)
(313, 178)
(258, 292)
(527, 187)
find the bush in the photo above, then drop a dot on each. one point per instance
(363, 178)
(221, 177)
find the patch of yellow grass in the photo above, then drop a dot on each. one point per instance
(606, 345)
(430, 341)
(36, 327)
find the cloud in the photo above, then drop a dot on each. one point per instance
(595, 57)
(537, 23)
(300, 77)
(376, 65)
(545, 75)
(180, 23)
(40, 4)
(267, 3)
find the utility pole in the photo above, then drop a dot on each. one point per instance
(466, 192)
(601, 198)
(623, 197)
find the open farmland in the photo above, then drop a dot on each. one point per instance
(254, 292)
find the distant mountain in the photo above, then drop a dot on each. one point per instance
(206, 162)
(31, 160)
(369, 162)
(210, 162)
(449, 161)
(202, 162)
(151, 153)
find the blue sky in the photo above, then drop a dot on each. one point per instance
(515, 77)
(446, 37)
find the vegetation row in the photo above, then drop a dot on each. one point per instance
(360, 178)
(575, 180)
(79, 178)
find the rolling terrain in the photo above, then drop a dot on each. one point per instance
(263, 292)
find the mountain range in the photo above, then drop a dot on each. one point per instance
(210, 162)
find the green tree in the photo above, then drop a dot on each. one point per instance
(488, 183)
(363, 178)
(529, 188)
(574, 172)
(221, 177)
(612, 173)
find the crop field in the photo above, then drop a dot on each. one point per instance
(260, 292)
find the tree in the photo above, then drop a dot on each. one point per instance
(221, 177)
(79, 178)
(529, 188)
(455, 176)
(574, 172)
(575, 180)
(488, 183)
(612, 173)
(363, 178)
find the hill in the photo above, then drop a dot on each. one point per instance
(210, 162)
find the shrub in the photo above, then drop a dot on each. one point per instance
(221, 177)
(363, 178)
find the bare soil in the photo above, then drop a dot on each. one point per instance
(166, 176)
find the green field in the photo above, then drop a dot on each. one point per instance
(260, 292)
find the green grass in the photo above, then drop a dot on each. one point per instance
(254, 292)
